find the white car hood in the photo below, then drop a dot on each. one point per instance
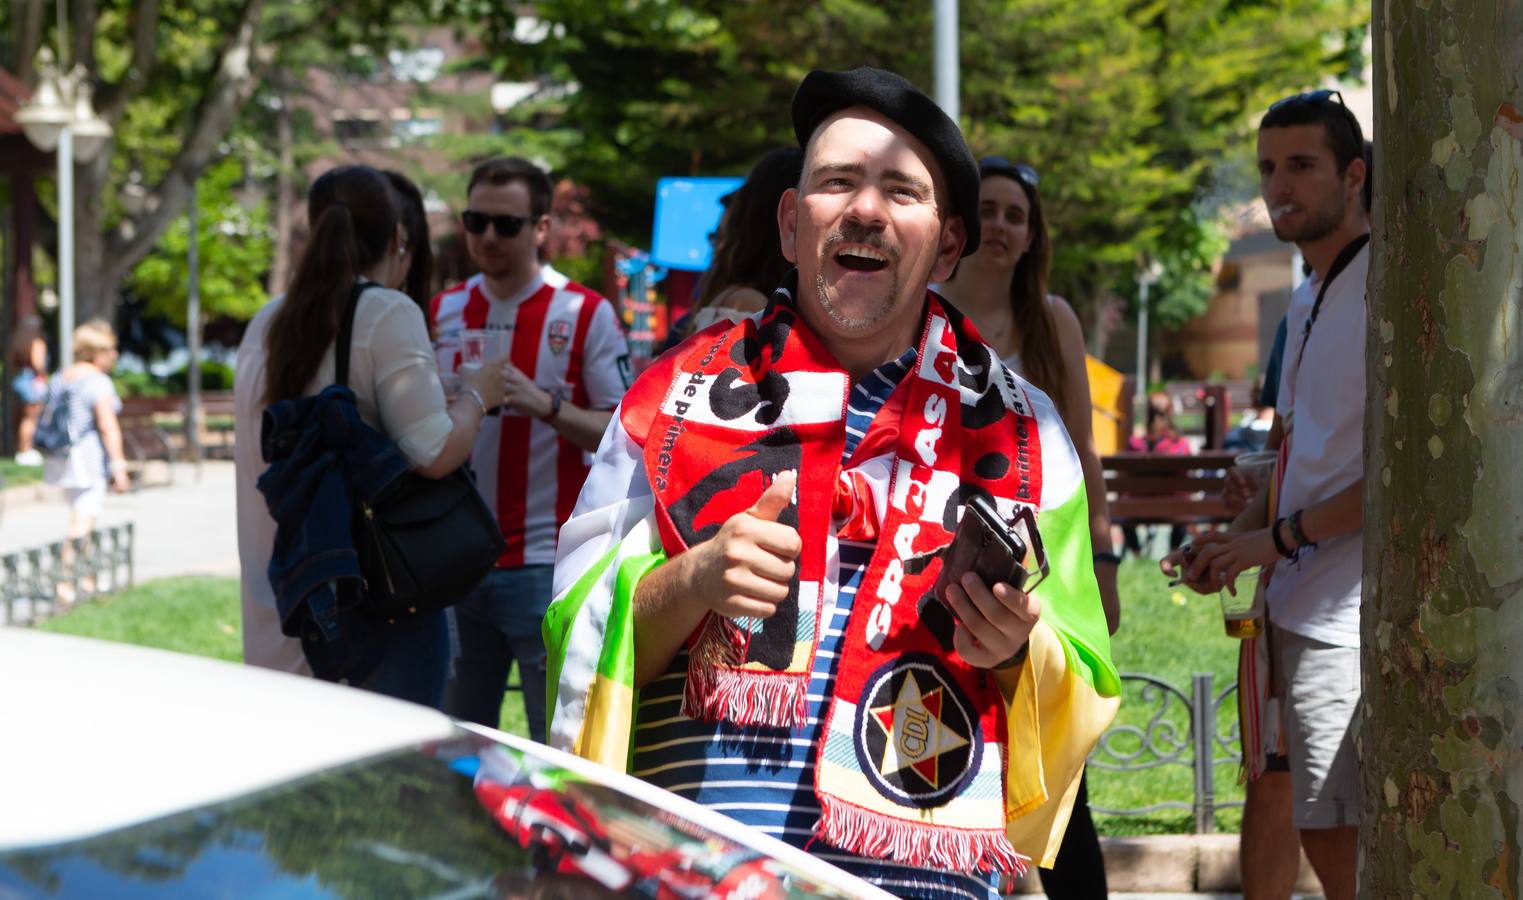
(95, 736)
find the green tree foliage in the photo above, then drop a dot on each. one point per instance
(235, 246)
(1127, 108)
(174, 79)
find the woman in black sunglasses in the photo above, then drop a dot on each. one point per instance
(1003, 289)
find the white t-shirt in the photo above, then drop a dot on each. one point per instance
(396, 384)
(1318, 595)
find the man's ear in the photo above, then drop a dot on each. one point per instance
(1355, 174)
(949, 249)
(787, 224)
(541, 230)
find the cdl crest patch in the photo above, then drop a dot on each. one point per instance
(916, 736)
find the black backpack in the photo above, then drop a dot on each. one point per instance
(53, 437)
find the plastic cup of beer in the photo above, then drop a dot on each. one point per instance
(1242, 616)
(473, 348)
(447, 360)
(1259, 465)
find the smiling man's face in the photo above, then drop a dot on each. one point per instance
(866, 228)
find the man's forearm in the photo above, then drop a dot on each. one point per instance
(1338, 515)
(665, 614)
(582, 427)
(1255, 515)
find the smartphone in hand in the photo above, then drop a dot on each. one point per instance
(994, 549)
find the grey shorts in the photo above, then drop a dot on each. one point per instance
(1320, 691)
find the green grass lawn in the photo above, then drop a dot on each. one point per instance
(1170, 633)
(195, 615)
(15, 476)
(1165, 632)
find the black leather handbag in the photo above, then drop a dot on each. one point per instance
(423, 543)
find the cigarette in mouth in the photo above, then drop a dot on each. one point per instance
(1279, 211)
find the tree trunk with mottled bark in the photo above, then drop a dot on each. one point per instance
(1442, 742)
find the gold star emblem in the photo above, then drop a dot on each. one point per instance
(915, 737)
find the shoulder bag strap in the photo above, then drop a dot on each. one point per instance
(345, 338)
(1345, 256)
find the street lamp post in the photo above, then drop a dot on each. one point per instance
(193, 333)
(947, 86)
(61, 116)
(1145, 280)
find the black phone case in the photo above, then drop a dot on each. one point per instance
(985, 545)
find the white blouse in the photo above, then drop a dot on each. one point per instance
(396, 385)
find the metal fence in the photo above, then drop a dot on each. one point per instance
(1180, 729)
(34, 582)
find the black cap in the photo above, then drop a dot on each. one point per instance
(822, 94)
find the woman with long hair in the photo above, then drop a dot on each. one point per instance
(288, 352)
(414, 271)
(748, 262)
(1003, 289)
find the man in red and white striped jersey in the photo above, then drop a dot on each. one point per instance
(570, 366)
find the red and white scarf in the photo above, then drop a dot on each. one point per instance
(912, 760)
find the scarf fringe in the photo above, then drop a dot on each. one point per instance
(778, 699)
(718, 691)
(877, 836)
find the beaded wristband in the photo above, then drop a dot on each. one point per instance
(1295, 530)
(1279, 543)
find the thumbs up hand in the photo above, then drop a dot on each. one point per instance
(744, 570)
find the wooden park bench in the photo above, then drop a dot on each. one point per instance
(1157, 489)
(217, 412)
(144, 439)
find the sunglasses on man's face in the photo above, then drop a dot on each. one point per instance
(1022, 171)
(505, 225)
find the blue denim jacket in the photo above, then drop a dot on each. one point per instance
(322, 458)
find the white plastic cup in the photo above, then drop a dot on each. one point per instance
(447, 359)
(473, 348)
(1258, 465)
(1243, 612)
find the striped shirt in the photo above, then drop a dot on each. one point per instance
(567, 337)
(763, 776)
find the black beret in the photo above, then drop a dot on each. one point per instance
(822, 94)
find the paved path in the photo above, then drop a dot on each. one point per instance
(186, 528)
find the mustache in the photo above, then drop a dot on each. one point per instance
(857, 233)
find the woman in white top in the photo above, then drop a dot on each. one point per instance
(288, 352)
(1003, 289)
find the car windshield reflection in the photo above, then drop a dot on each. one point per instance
(458, 819)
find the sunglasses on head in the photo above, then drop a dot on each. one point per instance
(506, 226)
(1319, 96)
(1001, 165)
(1325, 95)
